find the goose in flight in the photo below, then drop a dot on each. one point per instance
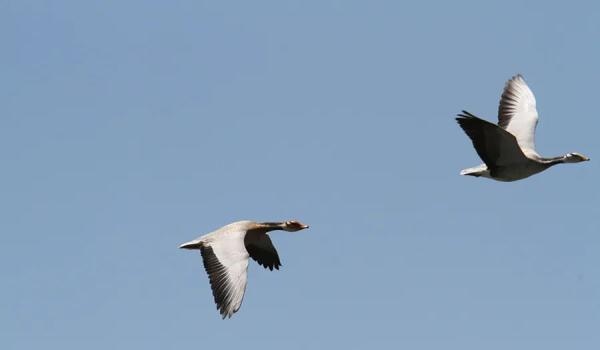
(225, 253)
(508, 149)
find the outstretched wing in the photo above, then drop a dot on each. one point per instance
(226, 263)
(261, 249)
(517, 113)
(495, 146)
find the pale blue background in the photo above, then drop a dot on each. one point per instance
(129, 127)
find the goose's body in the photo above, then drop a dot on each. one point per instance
(225, 254)
(512, 172)
(508, 149)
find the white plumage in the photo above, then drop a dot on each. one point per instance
(517, 113)
(225, 253)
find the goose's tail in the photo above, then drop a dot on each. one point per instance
(195, 244)
(477, 171)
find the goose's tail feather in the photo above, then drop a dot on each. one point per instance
(477, 171)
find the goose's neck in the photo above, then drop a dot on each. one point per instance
(554, 160)
(272, 226)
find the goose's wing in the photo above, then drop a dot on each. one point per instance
(495, 146)
(261, 249)
(517, 113)
(226, 263)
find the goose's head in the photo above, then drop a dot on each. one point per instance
(293, 226)
(575, 157)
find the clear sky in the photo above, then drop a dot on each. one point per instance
(129, 127)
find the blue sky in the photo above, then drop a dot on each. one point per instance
(127, 128)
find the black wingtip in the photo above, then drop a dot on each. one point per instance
(465, 115)
(462, 118)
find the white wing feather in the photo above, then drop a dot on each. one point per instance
(518, 115)
(229, 281)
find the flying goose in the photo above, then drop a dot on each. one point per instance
(508, 149)
(225, 253)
